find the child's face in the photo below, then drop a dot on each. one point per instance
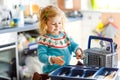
(54, 25)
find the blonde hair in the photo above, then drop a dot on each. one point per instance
(49, 12)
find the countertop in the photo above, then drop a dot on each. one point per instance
(26, 27)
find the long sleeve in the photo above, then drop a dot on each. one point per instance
(42, 53)
(74, 46)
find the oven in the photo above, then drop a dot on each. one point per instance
(8, 43)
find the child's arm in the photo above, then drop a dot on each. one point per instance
(75, 48)
(44, 58)
(42, 54)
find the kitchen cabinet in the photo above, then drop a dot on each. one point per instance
(9, 40)
(8, 49)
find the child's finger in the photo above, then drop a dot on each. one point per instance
(59, 61)
(78, 56)
(83, 56)
(61, 56)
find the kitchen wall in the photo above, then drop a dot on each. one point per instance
(10, 3)
(88, 23)
(116, 20)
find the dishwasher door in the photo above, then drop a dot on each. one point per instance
(8, 69)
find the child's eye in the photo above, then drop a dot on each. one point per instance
(59, 23)
(56, 23)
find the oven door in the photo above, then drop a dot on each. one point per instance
(7, 53)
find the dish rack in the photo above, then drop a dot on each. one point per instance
(101, 57)
(73, 72)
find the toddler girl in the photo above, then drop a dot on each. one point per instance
(55, 46)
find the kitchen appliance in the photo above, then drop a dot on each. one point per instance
(7, 53)
(106, 56)
(100, 64)
(73, 72)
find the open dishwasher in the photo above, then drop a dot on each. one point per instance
(99, 64)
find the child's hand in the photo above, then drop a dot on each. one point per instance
(80, 54)
(58, 60)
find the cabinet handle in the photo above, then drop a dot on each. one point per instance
(7, 46)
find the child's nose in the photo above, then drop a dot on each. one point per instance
(56, 25)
